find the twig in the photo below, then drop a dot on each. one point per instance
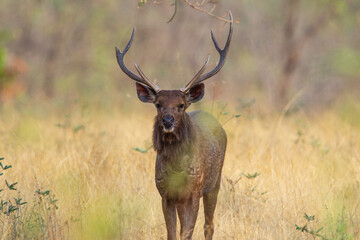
(175, 11)
(222, 110)
(207, 12)
(196, 7)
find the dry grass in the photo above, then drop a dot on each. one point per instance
(106, 190)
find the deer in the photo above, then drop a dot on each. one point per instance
(190, 146)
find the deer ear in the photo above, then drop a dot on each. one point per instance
(145, 94)
(195, 93)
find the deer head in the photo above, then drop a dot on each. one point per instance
(171, 104)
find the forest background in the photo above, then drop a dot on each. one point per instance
(75, 142)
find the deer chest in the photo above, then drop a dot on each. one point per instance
(179, 178)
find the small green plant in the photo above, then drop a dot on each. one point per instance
(300, 137)
(307, 228)
(142, 150)
(10, 208)
(251, 175)
(67, 125)
(32, 222)
(48, 198)
(40, 219)
(7, 206)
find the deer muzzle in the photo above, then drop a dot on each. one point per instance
(168, 122)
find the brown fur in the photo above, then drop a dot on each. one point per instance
(188, 164)
(168, 144)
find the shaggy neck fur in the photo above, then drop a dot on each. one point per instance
(171, 144)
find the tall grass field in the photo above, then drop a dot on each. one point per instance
(87, 173)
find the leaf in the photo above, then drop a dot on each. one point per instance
(18, 201)
(309, 218)
(249, 175)
(140, 150)
(11, 186)
(7, 167)
(44, 193)
(78, 128)
(304, 228)
(248, 103)
(346, 61)
(11, 209)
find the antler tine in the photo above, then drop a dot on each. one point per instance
(120, 60)
(222, 53)
(147, 80)
(195, 78)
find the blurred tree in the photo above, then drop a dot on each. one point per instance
(11, 68)
(55, 38)
(293, 44)
(279, 46)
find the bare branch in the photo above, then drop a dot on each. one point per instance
(197, 7)
(175, 11)
(207, 12)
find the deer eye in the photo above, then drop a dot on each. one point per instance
(181, 106)
(158, 106)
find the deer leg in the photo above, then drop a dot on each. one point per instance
(190, 215)
(181, 213)
(210, 200)
(170, 218)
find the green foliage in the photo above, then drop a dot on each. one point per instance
(251, 175)
(3, 39)
(33, 222)
(11, 186)
(68, 125)
(48, 198)
(103, 218)
(142, 150)
(142, 3)
(39, 219)
(4, 78)
(307, 228)
(7, 207)
(2, 61)
(349, 111)
(346, 61)
(10, 209)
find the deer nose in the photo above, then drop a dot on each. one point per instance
(168, 121)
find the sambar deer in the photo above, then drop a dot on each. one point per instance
(190, 146)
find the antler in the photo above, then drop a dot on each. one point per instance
(143, 79)
(198, 78)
